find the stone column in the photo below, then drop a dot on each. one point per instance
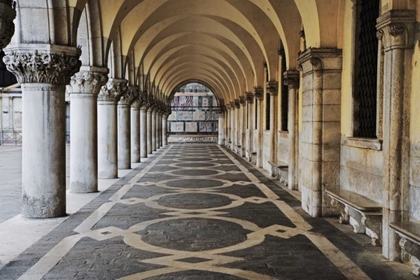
(233, 126)
(165, 129)
(221, 128)
(291, 79)
(228, 126)
(321, 129)
(242, 101)
(273, 90)
(396, 30)
(143, 126)
(250, 112)
(153, 116)
(159, 130)
(124, 130)
(259, 95)
(149, 130)
(238, 126)
(107, 128)
(135, 128)
(43, 122)
(84, 89)
(7, 28)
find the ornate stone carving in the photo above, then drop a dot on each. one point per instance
(396, 28)
(137, 102)
(128, 96)
(42, 66)
(249, 97)
(87, 81)
(273, 87)
(7, 27)
(259, 93)
(237, 103)
(291, 79)
(242, 100)
(113, 90)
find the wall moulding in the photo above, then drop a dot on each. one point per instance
(362, 143)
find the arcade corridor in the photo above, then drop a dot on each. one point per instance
(197, 212)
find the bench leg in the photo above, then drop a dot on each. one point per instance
(413, 250)
(373, 225)
(344, 217)
(355, 220)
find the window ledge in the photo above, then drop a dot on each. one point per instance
(284, 134)
(363, 143)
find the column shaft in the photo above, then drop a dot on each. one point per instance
(107, 140)
(221, 128)
(153, 116)
(124, 139)
(149, 131)
(143, 132)
(135, 134)
(165, 130)
(84, 143)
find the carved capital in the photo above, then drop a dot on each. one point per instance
(113, 90)
(396, 29)
(128, 96)
(249, 97)
(273, 87)
(259, 93)
(49, 64)
(7, 27)
(137, 102)
(242, 100)
(291, 79)
(232, 105)
(89, 80)
(237, 103)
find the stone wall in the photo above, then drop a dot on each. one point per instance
(194, 118)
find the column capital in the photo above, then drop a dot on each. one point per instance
(273, 88)
(137, 102)
(89, 80)
(314, 59)
(7, 28)
(242, 100)
(396, 29)
(128, 96)
(249, 97)
(40, 63)
(232, 105)
(112, 90)
(259, 93)
(237, 103)
(291, 79)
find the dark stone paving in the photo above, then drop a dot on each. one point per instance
(192, 214)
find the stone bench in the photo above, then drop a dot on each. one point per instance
(362, 213)
(409, 243)
(279, 170)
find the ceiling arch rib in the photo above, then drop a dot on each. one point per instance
(187, 53)
(188, 77)
(198, 47)
(203, 73)
(200, 65)
(196, 67)
(200, 26)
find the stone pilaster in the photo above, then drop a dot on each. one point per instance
(291, 79)
(124, 127)
(396, 31)
(83, 89)
(321, 129)
(107, 127)
(43, 71)
(7, 27)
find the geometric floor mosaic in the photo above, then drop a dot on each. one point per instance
(195, 212)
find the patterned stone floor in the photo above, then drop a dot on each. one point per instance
(196, 212)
